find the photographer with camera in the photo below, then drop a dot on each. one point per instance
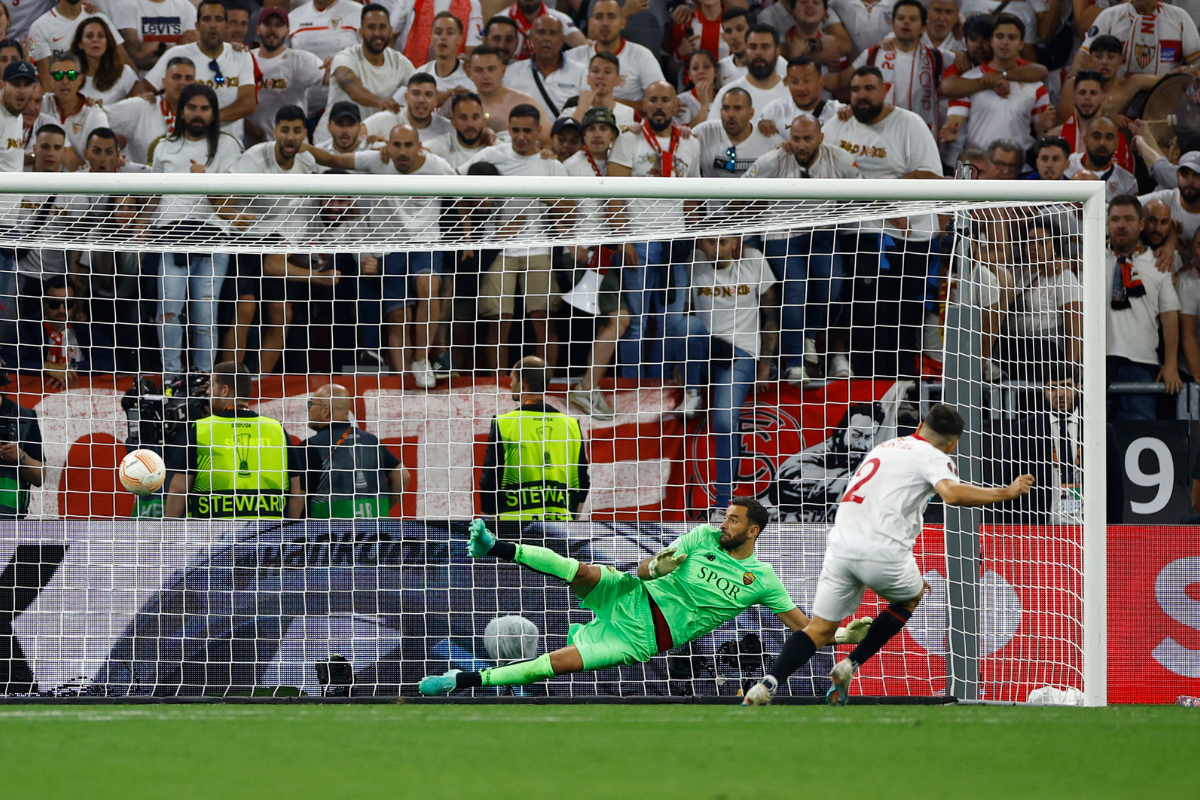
(236, 464)
(20, 455)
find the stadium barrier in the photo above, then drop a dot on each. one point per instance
(170, 608)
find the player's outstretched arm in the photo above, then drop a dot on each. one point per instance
(966, 494)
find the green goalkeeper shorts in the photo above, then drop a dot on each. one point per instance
(623, 630)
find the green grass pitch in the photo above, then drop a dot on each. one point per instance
(698, 752)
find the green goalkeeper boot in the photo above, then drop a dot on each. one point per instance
(481, 539)
(434, 685)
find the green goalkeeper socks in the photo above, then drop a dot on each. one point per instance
(519, 673)
(545, 560)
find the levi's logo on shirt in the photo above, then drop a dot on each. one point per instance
(161, 29)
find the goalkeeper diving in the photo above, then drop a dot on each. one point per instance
(705, 578)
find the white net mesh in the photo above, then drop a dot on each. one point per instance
(709, 347)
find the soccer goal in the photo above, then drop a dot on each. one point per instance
(712, 338)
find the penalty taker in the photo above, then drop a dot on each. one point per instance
(705, 578)
(870, 546)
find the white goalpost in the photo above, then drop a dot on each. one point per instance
(724, 338)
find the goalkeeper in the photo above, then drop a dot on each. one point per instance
(705, 578)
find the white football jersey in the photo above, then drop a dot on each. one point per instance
(882, 511)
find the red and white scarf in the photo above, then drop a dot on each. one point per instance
(420, 30)
(666, 159)
(1144, 50)
(168, 114)
(922, 96)
(524, 25)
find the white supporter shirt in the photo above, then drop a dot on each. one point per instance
(1187, 287)
(950, 46)
(270, 212)
(162, 21)
(1040, 304)
(651, 217)
(783, 113)
(639, 68)
(327, 146)
(176, 156)
(383, 80)
(562, 84)
(236, 66)
(714, 148)
(1148, 50)
(730, 72)
(906, 75)
(457, 79)
(525, 49)
(113, 94)
(867, 24)
(324, 34)
(402, 19)
(991, 117)
(1189, 221)
(286, 79)
(509, 163)
(831, 162)
(1019, 8)
(882, 513)
(12, 159)
(77, 126)
(624, 114)
(23, 13)
(760, 98)
(1133, 331)
(728, 299)
(1117, 179)
(892, 148)
(381, 124)
(591, 213)
(448, 147)
(140, 121)
(52, 31)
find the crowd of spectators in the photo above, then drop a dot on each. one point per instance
(836, 89)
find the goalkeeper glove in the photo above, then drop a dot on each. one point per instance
(664, 562)
(853, 633)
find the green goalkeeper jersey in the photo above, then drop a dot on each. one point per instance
(712, 587)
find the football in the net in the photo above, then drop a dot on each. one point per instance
(143, 471)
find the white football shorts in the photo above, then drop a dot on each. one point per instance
(843, 580)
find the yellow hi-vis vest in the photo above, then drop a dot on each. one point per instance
(539, 461)
(241, 468)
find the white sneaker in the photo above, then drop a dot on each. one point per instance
(602, 410)
(797, 376)
(761, 693)
(693, 403)
(423, 374)
(810, 351)
(592, 403)
(839, 367)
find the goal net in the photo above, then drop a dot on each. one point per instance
(712, 338)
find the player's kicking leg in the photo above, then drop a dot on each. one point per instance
(582, 578)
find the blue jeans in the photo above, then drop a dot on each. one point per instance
(1131, 406)
(810, 274)
(731, 380)
(397, 271)
(197, 286)
(643, 287)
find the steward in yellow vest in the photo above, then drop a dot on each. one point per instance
(536, 465)
(237, 464)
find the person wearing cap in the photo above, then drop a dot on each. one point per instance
(17, 94)
(1184, 200)
(566, 137)
(140, 120)
(599, 132)
(287, 74)
(603, 77)
(547, 75)
(346, 133)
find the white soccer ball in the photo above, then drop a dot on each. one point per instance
(511, 638)
(142, 471)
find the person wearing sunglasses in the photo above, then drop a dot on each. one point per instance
(55, 30)
(67, 107)
(63, 344)
(729, 145)
(220, 67)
